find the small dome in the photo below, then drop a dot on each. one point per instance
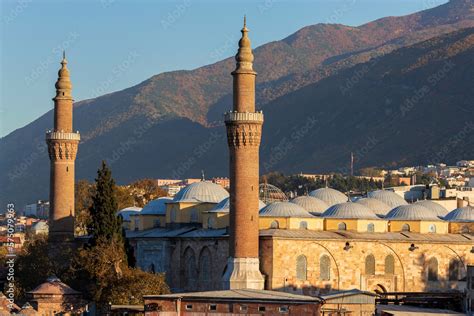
(269, 193)
(439, 209)
(390, 198)
(126, 212)
(203, 191)
(284, 209)
(412, 212)
(461, 214)
(330, 196)
(224, 205)
(349, 210)
(376, 206)
(40, 225)
(311, 204)
(156, 207)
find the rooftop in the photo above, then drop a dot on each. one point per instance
(240, 295)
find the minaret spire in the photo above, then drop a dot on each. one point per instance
(62, 147)
(244, 128)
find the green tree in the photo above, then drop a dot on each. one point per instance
(104, 222)
(84, 192)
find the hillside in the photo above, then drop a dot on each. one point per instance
(170, 125)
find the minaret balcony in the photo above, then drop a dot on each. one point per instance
(50, 135)
(234, 116)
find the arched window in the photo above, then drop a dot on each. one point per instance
(389, 265)
(370, 265)
(190, 270)
(304, 225)
(301, 268)
(454, 269)
(432, 228)
(433, 269)
(325, 268)
(274, 225)
(341, 226)
(371, 227)
(405, 228)
(205, 265)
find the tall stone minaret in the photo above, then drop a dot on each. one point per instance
(62, 147)
(244, 128)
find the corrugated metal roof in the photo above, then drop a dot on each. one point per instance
(243, 294)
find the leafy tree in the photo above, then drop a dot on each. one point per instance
(84, 192)
(101, 272)
(35, 263)
(104, 222)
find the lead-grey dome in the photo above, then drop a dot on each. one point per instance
(203, 191)
(376, 206)
(330, 196)
(349, 210)
(390, 198)
(156, 207)
(461, 214)
(224, 205)
(284, 209)
(311, 204)
(439, 209)
(126, 212)
(412, 212)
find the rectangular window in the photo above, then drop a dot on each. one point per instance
(243, 308)
(189, 307)
(213, 307)
(261, 308)
(283, 309)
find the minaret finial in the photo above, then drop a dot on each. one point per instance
(245, 21)
(64, 54)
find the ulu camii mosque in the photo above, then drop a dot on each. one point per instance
(310, 245)
(206, 238)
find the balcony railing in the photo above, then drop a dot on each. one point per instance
(243, 116)
(63, 135)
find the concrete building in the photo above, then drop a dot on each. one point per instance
(62, 148)
(232, 302)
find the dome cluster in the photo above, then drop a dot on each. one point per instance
(461, 214)
(412, 212)
(349, 210)
(311, 204)
(156, 207)
(388, 197)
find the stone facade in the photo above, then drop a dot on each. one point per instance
(62, 148)
(399, 263)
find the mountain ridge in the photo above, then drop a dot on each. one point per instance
(193, 102)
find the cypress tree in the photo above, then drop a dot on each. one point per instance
(104, 222)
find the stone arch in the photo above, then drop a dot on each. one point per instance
(333, 260)
(205, 268)
(389, 266)
(189, 269)
(396, 255)
(370, 264)
(324, 268)
(454, 254)
(341, 226)
(303, 225)
(406, 228)
(454, 269)
(301, 268)
(433, 270)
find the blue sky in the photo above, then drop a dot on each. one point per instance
(114, 44)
